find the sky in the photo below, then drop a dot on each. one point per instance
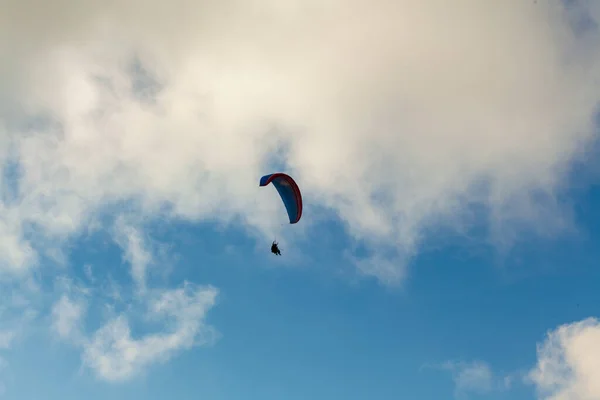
(447, 157)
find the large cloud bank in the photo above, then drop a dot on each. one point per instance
(398, 115)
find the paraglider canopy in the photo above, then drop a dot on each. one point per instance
(289, 192)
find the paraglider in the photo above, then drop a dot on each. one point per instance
(275, 249)
(290, 195)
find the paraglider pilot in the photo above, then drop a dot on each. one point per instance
(275, 249)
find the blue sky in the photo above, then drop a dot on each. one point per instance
(304, 331)
(446, 153)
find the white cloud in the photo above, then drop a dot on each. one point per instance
(112, 351)
(89, 272)
(17, 312)
(475, 377)
(19, 307)
(382, 268)
(67, 317)
(568, 365)
(391, 113)
(115, 355)
(16, 254)
(6, 338)
(135, 250)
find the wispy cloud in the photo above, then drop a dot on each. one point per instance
(67, 317)
(474, 377)
(89, 272)
(112, 351)
(6, 338)
(136, 253)
(19, 309)
(115, 355)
